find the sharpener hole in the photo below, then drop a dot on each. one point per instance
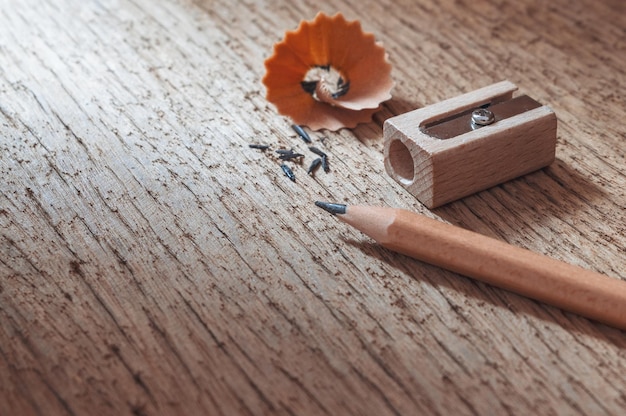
(401, 162)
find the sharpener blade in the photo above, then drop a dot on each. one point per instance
(458, 124)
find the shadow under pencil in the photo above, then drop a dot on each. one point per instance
(484, 293)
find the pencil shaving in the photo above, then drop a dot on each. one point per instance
(328, 74)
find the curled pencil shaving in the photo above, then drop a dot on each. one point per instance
(328, 74)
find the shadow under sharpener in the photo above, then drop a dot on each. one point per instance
(439, 154)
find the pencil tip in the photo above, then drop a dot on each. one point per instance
(331, 207)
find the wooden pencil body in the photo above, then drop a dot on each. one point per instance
(566, 286)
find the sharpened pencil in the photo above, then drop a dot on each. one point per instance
(500, 264)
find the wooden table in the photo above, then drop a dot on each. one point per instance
(152, 263)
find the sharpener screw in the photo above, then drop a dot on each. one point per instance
(482, 117)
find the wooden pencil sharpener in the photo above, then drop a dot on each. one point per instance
(468, 143)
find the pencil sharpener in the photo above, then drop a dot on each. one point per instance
(468, 143)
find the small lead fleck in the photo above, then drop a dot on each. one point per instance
(303, 134)
(317, 151)
(325, 165)
(290, 156)
(314, 166)
(288, 172)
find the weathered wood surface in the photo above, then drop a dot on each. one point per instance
(151, 263)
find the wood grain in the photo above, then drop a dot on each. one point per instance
(152, 263)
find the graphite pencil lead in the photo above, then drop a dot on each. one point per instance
(288, 172)
(332, 207)
(301, 132)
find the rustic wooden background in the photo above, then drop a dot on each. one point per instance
(151, 263)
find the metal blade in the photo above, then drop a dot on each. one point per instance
(462, 123)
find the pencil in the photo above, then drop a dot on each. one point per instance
(571, 288)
